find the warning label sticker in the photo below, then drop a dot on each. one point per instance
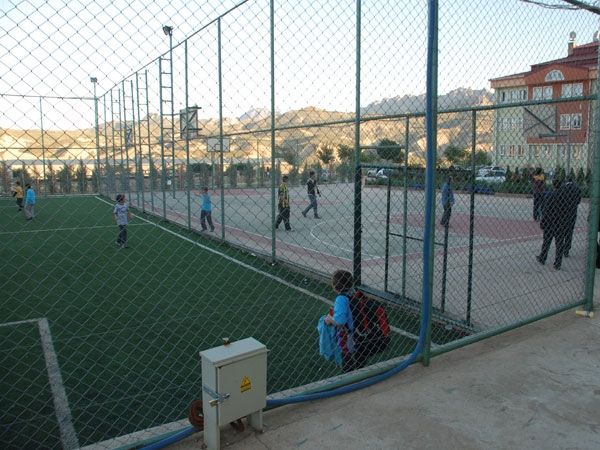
(246, 384)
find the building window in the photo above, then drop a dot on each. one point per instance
(554, 75)
(562, 151)
(517, 123)
(565, 121)
(575, 121)
(535, 150)
(513, 95)
(542, 93)
(511, 151)
(546, 150)
(502, 150)
(520, 151)
(572, 90)
(576, 151)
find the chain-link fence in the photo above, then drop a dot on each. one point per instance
(261, 146)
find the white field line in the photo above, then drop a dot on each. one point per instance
(69, 229)
(19, 322)
(265, 274)
(68, 436)
(59, 397)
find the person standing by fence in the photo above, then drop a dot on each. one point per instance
(571, 195)
(313, 191)
(122, 216)
(18, 194)
(29, 202)
(553, 224)
(283, 204)
(538, 185)
(447, 201)
(206, 211)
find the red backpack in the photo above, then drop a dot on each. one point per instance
(371, 326)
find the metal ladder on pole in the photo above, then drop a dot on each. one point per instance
(167, 131)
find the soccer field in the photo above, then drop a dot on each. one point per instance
(98, 342)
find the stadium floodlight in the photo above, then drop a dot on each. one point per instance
(168, 30)
(93, 79)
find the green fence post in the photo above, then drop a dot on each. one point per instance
(431, 125)
(405, 201)
(594, 195)
(357, 167)
(471, 216)
(272, 172)
(387, 234)
(220, 75)
(187, 136)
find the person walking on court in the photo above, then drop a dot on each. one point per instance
(313, 191)
(122, 216)
(283, 204)
(571, 195)
(447, 201)
(18, 194)
(206, 210)
(29, 202)
(538, 185)
(553, 225)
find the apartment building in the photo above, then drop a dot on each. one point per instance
(548, 135)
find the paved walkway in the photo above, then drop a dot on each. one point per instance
(537, 387)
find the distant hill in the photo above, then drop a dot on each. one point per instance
(300, 131)
(458, 98)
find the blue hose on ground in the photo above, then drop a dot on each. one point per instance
(180, 435)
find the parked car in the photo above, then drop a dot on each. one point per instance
(372, 173)
(492, 176)
(385, 173)
(483, 170)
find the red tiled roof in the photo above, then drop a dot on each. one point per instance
(584, 56)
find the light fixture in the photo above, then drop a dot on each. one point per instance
(168, 30)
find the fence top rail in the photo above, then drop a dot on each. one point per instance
(371, 118)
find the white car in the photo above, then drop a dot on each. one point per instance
(492, 176)
(483, 170)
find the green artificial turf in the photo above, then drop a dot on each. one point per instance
(128, 324)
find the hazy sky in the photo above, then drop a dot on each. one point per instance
(52, 48)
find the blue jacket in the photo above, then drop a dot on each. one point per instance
(206, 203)
(328, 342)
(30, 197)
(447, 195)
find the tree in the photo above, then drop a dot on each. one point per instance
(581, 177)
(455, 155)
(482, 158)
(389, 150)
(81, 177)
(345, 153)
(326, 154)
(64, 176)
(346, 156)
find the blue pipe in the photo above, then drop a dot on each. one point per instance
(180, 435)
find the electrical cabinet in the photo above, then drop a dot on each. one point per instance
(234, 385)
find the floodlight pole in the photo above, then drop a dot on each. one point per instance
(94, 81)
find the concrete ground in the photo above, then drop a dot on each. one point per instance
(537, 387)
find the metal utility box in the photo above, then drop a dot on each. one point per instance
(234, 385)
